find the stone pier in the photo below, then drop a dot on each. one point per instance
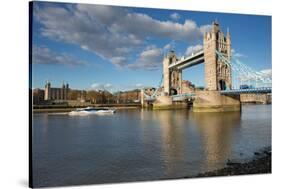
(256, 98)
(213, 101)
(163, 102)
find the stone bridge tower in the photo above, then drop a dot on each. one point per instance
(172, 78)
(217, 73)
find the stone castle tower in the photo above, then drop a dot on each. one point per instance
(217, 73)
(52, 93)
(47, 93)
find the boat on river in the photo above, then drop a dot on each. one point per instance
(91, 110)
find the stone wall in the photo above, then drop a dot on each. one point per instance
(163, 102)
(213, 101)
(256, 98)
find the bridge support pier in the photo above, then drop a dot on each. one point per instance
(213, 101)
(163, 102)
(144, 104)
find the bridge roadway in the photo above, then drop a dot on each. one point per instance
(192, 60)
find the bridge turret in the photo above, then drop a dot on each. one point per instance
(217, 73)
(169, 58)
(215, 27)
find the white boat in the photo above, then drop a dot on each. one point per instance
(91, 110)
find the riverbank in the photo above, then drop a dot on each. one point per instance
(58, 108)
(260, 164)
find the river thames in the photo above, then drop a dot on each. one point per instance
(138, 144)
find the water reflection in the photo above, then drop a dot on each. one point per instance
(193, 136)
(216, 130)
(172, 131)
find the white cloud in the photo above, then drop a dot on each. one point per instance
(118, 61)
(171, 45)
(108, 85)
(112, 33)
(168, 47)
(266, 72)
(149, 59)
(193, 49)
(102, 86)
(139, 85)
(237, 54)
(205, 28)
(114, 88)
(43, 55)
(175, 16)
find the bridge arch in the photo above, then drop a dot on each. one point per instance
(173, 91)
(222, 85)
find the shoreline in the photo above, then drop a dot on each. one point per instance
(46, 109)
(261, 163)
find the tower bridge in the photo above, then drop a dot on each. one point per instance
(219, 94)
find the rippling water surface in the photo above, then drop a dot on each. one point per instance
(135, 145)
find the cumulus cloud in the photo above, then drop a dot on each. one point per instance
(237, 54)
(139, 85)
(193, 49)
(103, 86)
(114, 88)
(168, 46)
(43, 55)
(175, 16)
(112, 33)
(171, 45)
(266, 72)
(149, 59)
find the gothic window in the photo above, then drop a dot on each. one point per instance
(208, 36)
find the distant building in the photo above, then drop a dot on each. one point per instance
(128, 96)
(187, 87)
(38, 96)
(56, 93)
(149, 90)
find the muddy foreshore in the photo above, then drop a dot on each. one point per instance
(260, 164)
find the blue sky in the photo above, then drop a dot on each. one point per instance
(120, 48)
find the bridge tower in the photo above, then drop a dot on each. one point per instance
(217, 73)
(172, 78)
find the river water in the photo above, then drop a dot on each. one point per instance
(136, 145)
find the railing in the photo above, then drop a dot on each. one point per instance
(178, 97)
(181, 97)
(253, 90)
